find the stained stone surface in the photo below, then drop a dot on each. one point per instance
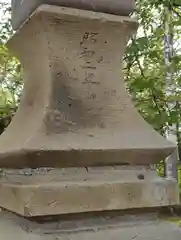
(136, 227)
(22, 9)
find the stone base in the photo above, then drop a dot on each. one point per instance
(125, 227)
(77, 190)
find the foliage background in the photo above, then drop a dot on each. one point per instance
(143, 66)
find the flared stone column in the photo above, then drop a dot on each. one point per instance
(75, 110)
(76, 117)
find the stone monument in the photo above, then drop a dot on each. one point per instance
(77, 157)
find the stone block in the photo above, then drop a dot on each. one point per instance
(70, 192)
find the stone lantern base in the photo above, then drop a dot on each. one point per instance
(75, 115)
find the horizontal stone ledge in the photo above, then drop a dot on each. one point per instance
(40, 157)
(76, 196)
(72, 13)
(21, 10)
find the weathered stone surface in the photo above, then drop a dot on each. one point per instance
(80, 190)
(75, 110)
(80, 115)
(22, 9)
(146, 227)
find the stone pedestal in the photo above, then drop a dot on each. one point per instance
(76, 117)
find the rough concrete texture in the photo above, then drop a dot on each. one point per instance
(97, 228)
(79, 190)
(21, 10)
(75, 110)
